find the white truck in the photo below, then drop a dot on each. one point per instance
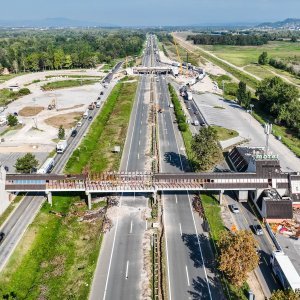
(189, 96)
(61, 146)
(47, 166)
(284, 270)
(85, 114)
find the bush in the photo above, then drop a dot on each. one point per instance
(24, 92)
(182, 126)
(12, 120)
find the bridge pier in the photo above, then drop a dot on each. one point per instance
(89, 199)
(242, 196)
(49, 197)
(221, 197)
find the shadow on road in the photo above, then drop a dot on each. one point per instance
(176, 160)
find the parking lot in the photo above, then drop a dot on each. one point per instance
(230, 115)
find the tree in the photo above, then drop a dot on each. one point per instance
(12, 120)
(294, 39)
(285, 295)
(241, 92)
(26, 163)
(68, 61)
(238, 255)
(205, 148)
(263, 58)
(61, 132)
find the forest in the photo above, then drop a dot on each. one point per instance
(229, 39)
(22, 51)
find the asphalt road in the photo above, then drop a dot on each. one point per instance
(120, 264)
(190, 262)
(27, 209)
(244, 220)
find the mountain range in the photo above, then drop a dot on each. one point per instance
(287, 23)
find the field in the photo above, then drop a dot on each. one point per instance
(245, 55)
(57, 256)
(30, 111)
(67, 84)
(224, 134)
(66, 120)
(109, 129)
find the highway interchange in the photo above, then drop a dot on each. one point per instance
(191, 270)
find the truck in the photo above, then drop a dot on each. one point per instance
(92, 106)
(47, 166)
(284, 270)
(61, 146)
(189, 96)
(85, 114)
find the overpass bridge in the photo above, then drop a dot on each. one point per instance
(152, 70)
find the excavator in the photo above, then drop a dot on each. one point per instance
(52, 105)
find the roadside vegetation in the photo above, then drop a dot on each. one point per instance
(68, 49)
(57, 256)
(224, 134)
(67, 84)
(7, 96)
(108, 130)
(212, 212)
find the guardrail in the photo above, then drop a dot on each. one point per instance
(273, 237)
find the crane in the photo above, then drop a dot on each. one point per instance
(179, 59)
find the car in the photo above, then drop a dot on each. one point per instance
(188, 108)
(2, 236)
(90, 118)
(257, 229)
(6, 168)
(15, 114)
(74, 133)
(99, 98)
(196, 112)
(79, 124)
(202, 123)
(101, 93)
(234, 208)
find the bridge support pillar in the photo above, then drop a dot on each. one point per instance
(242, 196)
(49, 197)
(89, 200)
(221, 197)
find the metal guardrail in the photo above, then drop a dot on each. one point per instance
(273, 237)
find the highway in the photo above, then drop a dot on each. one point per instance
(118, 273)
(25, 212)
(190, 261)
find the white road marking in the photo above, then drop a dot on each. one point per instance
(176, 198)
(197, 234)
(167, 252)
(131, 227)
(146, 224)
(127, 265)
(180, 229)
(187, 275)
(139, 142)
(138, 156)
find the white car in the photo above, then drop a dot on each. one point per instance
(234, 208)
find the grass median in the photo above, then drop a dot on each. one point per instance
(212, 211)
(55, 85)
(57, 255)
(109, 129)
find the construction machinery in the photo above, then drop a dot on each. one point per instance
(52, 105)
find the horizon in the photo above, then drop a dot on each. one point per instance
(168, 13)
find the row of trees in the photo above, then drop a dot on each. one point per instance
(38, 51)
(292, 67)
(281, 101)
(229, 39)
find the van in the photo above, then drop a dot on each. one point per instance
(86, 114)
(98, 104)
(79, 124)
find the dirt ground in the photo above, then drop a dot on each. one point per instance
(29, 111)
(66, 120)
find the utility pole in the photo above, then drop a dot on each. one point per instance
(268, 130)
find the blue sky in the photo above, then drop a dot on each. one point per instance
(153, 12)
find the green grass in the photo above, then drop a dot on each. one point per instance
(66, 84)
(224, 133)
(212, 212)
(4, 78)
(74, 76)
(10, 208)
(56, 257)
(108, 130)
(11, 128)
(258, 70)
(244, 55)
(219, 107)
(7, 96)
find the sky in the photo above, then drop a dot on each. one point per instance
(153, 12)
